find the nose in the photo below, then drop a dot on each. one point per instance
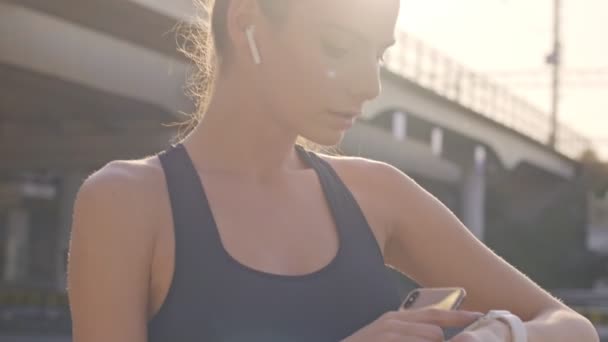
(365, 84)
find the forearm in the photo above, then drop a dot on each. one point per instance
(561, 325)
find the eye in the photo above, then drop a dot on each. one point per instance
(334, 50)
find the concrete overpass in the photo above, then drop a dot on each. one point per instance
(126, 49)
(102, 72)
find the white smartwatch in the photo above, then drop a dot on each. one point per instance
(518, 330)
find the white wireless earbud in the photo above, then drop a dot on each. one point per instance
(255, 53)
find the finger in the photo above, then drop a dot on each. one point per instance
(440, 317)
(400, 338)
(416, 339)
(464, 337)
(428, 332)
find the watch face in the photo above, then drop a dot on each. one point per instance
(451, 332)
(481, 320)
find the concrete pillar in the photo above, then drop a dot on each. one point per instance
(399, 125)
(437, 141)
(67, 194)
(474, 193)
(17, 245)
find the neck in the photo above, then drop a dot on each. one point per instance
(238, 135)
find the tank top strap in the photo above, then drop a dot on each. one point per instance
(189, 207)
(328, 178)
(343, 205)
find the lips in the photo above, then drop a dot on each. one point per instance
(345, 119)
(347, 114)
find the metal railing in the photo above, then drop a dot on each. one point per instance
(414, 60)
(592, 304)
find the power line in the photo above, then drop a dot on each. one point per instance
(596, 139)
(578, 79)
(582, 84)
(571, 72)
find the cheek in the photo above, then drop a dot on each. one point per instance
(303, 82)
(297, 77)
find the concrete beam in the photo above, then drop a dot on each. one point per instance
(61, 103)
(177, 9)
(365, 140)
(147, 23)
(50, 152)
(512, 148)
(51, 46)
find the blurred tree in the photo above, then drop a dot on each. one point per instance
(549, 247)
(595, 173)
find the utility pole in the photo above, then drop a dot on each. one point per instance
(555, 60)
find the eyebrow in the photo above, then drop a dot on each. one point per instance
(358, 34)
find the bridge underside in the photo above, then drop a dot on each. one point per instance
(48, 123)
(511, 147)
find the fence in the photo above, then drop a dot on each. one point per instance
(414, 60)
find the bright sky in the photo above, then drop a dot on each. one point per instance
(515, 35)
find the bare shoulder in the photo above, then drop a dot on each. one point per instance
(122, 185)
(379, 188)
(398, 196)
(111, 249)
(134, 174)
(380, 177)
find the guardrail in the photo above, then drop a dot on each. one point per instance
(34, 310)
(589, 303)
(413, 59)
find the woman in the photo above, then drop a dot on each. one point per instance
(238, 234)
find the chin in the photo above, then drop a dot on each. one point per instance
(327, 138)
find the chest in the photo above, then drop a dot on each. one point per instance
(285, 230)
(288, 229)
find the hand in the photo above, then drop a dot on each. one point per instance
(416, 325)
(494, 331)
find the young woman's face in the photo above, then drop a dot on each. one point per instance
(321, 63)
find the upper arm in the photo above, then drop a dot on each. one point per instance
(431, 245)
(108, 267)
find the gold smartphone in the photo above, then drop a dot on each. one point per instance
(446, 298)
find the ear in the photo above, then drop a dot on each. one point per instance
(241, 14)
